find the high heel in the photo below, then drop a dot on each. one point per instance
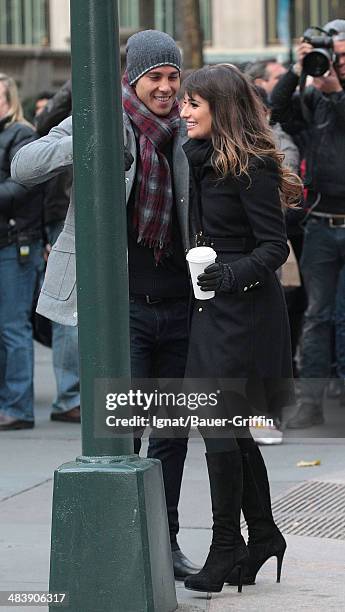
(228, 550)
(240, 579)
(280, 557)
(213, 575)
(259, 553)
(265, 539)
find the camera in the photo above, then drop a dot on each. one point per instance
(319, 60)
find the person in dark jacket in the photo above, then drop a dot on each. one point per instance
(320, 113)
(56, 110)
(20, 263)
(42, 101)
(66, 405)
(239, 338)
(294, 296)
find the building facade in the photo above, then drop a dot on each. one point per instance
(35, 37)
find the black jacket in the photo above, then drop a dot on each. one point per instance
(246, 207)
(58, 189)
(245, 333)
(20, 207)
(323, 126)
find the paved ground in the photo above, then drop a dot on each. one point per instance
(314, 569)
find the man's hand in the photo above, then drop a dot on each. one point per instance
(302, 50)
(328, 83)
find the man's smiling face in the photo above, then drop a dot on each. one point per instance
(158, 89)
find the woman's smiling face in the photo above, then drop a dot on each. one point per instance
(196, 112)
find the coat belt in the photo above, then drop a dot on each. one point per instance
(233, 244)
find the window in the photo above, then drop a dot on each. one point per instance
(129, 13)
(167, 21)
(24, 22)
(303, 13)
(165, 16)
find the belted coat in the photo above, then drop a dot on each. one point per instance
(52, 154)
(245, 334)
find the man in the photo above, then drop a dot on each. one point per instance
(66, 405)
(157, 190)
(321, 111)
(266, 74)
(42, 101)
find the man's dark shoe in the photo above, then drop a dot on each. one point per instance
(70, 416)
(307, 415)
(8, 423)
(183, 567)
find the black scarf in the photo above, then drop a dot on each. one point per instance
(199, 153)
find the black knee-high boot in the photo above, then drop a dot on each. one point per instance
(228, 550)
(264, 538)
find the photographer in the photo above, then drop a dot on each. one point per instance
(319, 111)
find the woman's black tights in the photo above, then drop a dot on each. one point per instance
(240, 439)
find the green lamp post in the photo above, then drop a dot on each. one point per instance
(110, 549)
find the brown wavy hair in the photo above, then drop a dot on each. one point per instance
(240, 130)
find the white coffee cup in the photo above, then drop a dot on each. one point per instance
(198, 259)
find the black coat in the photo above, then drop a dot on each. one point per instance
(58, 189)
(243, 335)
(20, 207)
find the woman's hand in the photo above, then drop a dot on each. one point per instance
(218, 277)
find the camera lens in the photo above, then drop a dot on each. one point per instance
(317, 62)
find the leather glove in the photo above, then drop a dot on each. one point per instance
(218, 277)
(129, 159)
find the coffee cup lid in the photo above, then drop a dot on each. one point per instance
(201, 254)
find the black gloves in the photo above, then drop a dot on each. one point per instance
(218, 277)
(129, 159)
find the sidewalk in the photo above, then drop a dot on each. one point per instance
(314, 567)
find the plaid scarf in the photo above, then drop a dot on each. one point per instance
(154, 195)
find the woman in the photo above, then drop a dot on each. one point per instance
(238, 186)
(20, 261)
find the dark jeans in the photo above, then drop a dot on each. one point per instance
(296, 301)
(159, 350)
(322, 260)
(340, 325)
(17, 284)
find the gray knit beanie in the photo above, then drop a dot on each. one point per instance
(337, 26)
(149, 49)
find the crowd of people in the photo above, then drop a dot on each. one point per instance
(215, 163)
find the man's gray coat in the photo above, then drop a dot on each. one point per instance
(45, 158)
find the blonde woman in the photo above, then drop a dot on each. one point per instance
(20, 259)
